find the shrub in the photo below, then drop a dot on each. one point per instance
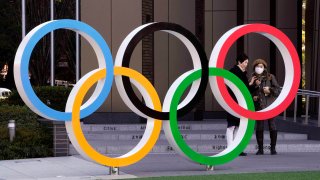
(23, 116)
(32, 139)
(28, 143)
(54, 96)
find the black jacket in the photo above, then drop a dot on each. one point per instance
(234, 121)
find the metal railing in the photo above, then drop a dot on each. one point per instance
(308, 94)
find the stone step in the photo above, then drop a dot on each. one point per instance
(183, 125)
(103, 143)
(121, 147)
(186, 134)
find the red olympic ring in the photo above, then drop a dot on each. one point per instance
(288, 50)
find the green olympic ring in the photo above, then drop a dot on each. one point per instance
(189, 152)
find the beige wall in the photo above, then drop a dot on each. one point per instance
(220, 16)
(114, 19)
(171, 56)
(256, 45)
(88, 58)
(286, 22)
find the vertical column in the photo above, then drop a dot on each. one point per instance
(161, 50)
(77, 43)
(179, 59)
(240, 21)
(312, 44)
(147, 45)
(299, 46)
(98, 14)
(23, 18)
(273, 48)
(312, 65)
(220, 16)
(256, 45)
(148, 42)
(287, 20)
(208, 45)
(125, 17)
(172, 58)
(52, 43)
(199, 28)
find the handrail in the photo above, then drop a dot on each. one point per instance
(307, 94)
(308, 91)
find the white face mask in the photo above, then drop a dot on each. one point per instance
(259, 70)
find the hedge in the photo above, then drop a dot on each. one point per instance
(54, 96)
(32, 140)
(28, 143)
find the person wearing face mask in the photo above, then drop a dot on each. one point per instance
(240, 70)
(267, 89)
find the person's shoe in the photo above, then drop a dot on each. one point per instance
(259, 136)
(273, 151)
(243, 154)
(273, 137)
(260, 152)
(209, 168)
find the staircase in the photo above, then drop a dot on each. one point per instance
(204, 137)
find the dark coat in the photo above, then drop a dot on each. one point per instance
(267, 80)
(234, 121)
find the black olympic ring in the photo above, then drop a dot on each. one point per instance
(204, 65)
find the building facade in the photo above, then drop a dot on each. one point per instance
(162, 58)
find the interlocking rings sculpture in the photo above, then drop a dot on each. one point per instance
(156, 113)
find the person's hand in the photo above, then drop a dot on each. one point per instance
(252, 80)
(255, 98)
(258, 82)
(266, 90)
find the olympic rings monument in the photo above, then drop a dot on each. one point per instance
(159, 115)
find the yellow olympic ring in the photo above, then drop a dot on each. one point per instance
(89, 151)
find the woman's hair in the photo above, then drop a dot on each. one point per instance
(264, 63)
(259, 61)
(241, 57)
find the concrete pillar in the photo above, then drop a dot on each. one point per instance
(60, 139)
(220, 16)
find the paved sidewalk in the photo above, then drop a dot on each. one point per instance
(74, 167)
